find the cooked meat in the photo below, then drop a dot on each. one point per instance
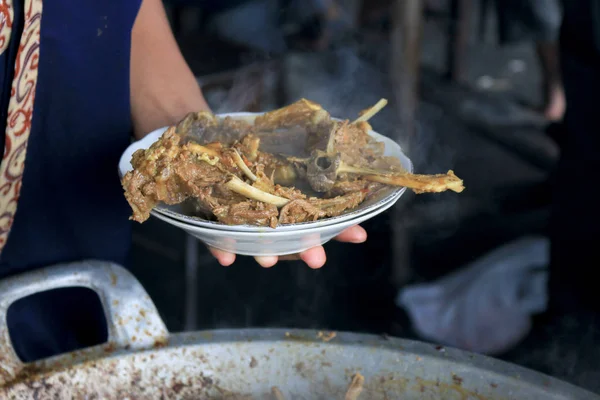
(222, 166)
(354, 144)
(288, 193)
(337, 205)
(297, 211)
(341, 188)
(247, 213)
(167, 173)
(300, 210)
(204, 127)
(301, 113)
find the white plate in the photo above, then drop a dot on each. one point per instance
(386, 195)
(275, 243)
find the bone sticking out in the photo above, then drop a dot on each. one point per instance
(356, 387)
(349, 169)
(199, 149)
(240, 187)
(370, 112)
(242, 165)
(421, 183)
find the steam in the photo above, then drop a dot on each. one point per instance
(345, 84)
(248, 89)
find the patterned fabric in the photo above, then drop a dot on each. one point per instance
(66, 117)
(20, 111)
(6, 20)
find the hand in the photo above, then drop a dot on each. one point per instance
(315, 258)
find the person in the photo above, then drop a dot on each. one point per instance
(537, 21)
(77, 79)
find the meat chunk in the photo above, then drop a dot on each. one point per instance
(301, 210)
(247, 213)
(166, 173)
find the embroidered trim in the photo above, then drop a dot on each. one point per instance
(20, 111)
(6, 20)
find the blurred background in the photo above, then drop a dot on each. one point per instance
(464, 95)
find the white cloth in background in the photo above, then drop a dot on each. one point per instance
(485, 307)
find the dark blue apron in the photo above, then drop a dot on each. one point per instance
(71, 205)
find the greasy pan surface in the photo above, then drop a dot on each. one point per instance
(143, 361)
(244, 364)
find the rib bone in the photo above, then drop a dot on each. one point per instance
(371, 111)
(242, 165)
(240, 187)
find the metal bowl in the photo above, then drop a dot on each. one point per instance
(143, 361)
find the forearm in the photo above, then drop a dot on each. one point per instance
(163, 88)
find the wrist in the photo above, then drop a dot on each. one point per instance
(165, 113)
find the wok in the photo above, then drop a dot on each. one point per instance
(143, 361)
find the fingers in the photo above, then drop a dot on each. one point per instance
(315, 258)
(224, 258)
(266, 261)
(354, 234)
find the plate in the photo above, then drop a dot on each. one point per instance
(275, 243)
(176, 212)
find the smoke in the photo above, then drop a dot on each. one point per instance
(345, 83)
(338, 80)
(248, 87)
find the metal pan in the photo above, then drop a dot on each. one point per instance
(142, 361)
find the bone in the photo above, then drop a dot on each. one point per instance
(370, 112)
(240, 187)
(199, 149)
(242, 165)
(323, 170)
(421, 183)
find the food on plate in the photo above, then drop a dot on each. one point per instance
(291, 165)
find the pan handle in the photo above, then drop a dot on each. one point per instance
(132, 319)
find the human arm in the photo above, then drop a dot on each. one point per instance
(164, 90)
(163, 87)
